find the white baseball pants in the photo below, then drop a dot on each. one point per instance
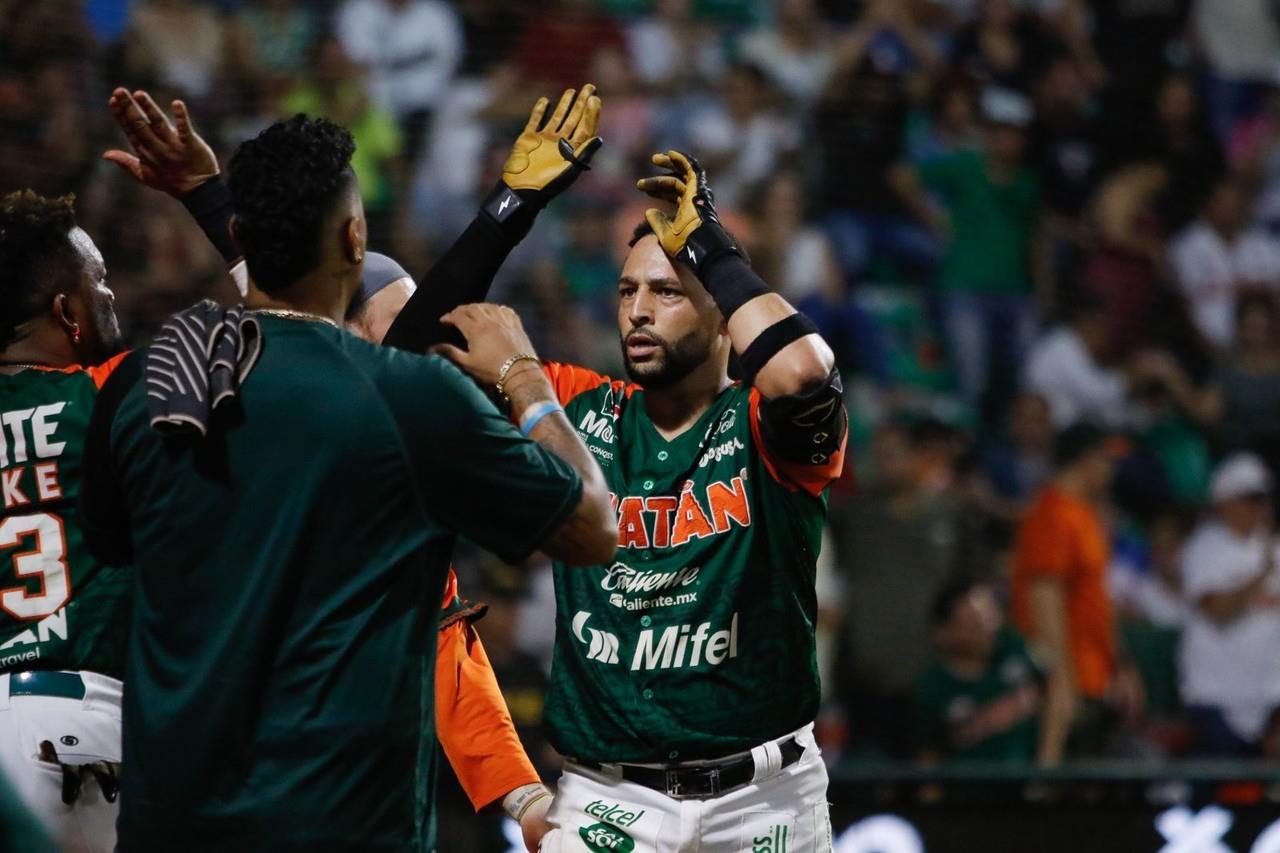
(780, 811)
(81, 732)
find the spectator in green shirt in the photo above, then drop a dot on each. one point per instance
(980, 699)
(985, 204)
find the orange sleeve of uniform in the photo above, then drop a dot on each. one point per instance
(570, 381)
(811, 478)
(472, 721)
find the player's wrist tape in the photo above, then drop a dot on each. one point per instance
(512, 211)
(536, 413)
(210, 205)
(771, 341)
(706, 245)
(506, 368)
(519, 801)
(730, 281)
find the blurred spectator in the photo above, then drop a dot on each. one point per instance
(1005, 46)
(795, 52)
(334, 87)
(991, 216)
(1242, 404)
(1018, 465)
(1060, 599)
(1124, 268)
(980, 698)
(1178, 137)
(272, 41)
(46, 80)
(949, 124)
(1230, 673)
(742, 141)
(908, 519)
(1071, 368)
(491, 29)
(1255, 154)
(1067, 145)
(555, 50)
(1241, 41)
(671, 49)
(1153, 593)
(1136, 40)
(860, 120)
(792, 254)
(1219, 256)
(412, 49)
(184, 43)
(799, 260)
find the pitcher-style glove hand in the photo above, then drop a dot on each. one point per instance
(693, 235)
(546, 159)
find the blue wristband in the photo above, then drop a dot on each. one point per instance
(536, 413)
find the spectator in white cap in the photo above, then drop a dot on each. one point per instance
(1229, 665)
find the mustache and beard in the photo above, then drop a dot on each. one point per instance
(670, 362)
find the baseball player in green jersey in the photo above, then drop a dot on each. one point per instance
(291, 545)
(684, 682)
(63, 615)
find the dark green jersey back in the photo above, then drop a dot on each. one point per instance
(290, 570)
(698, 640)
(59, 608)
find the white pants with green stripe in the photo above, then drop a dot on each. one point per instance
(784, 811)
(79, 732)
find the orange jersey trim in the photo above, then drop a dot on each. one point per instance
(569, 381)
(99, 373)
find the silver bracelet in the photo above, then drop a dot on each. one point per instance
(510, 363)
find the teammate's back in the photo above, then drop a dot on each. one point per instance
(289, 565)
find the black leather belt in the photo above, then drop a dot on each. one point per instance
(702, 780)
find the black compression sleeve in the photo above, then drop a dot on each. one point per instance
(463, 275)
(732, 283)
(210, 205)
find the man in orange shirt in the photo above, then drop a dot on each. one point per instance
(1060, 598)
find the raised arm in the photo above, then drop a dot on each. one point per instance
(547, 157)
(170, 156)
(779, 349)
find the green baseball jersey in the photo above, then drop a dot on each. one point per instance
(290, 572)
(59, 608)
(993, 717)
(698, 639)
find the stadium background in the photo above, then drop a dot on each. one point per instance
(1142, 137)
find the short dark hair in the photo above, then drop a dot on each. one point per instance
(1075, 442)
(37, 258)
(284, 183)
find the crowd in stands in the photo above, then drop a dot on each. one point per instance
(1043, 237)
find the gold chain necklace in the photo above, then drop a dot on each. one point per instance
(23, 364)
(295, 315)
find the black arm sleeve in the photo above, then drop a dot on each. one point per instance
(806, 428)
(104, 516)
(462, 276)
(210, 205)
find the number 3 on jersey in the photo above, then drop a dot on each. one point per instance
(47, 562)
